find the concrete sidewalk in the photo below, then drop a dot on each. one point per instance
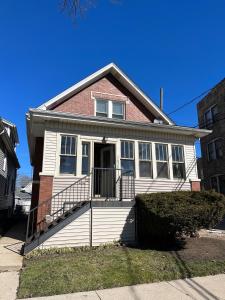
(10, 261)
(199, 288)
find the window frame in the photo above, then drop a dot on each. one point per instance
(178, 162)
(123, 110)
(212, 116)
(70, 155)
(162, 161)
(88, 156)
(150, 160)
(131, 158)
(213, 143)
(110, 108)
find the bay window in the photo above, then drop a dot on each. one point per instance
(145, 160)
(127, 156)
(178, 161)
(68, 155)
(162, 160)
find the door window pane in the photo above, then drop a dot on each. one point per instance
(101, 108)
(85, 158)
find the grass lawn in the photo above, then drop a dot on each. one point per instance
(106, 267)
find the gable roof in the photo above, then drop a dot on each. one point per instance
(122, 78)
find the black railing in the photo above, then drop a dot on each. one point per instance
(111, 183)
(51, 209)
(106, 183)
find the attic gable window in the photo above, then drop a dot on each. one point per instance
(102, 108)
(110, 109)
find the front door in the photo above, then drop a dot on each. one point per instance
(108, 173)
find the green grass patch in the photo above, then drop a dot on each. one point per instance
(58, 272)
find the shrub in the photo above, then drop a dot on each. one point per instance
(170, 215)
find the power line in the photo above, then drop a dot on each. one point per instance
(189, 102)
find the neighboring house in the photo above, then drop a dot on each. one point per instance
(102, 139)
(8, 166)
(23, 198)
(211, 115)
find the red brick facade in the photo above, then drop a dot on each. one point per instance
(45, 193)
(195, 186)
(107, 88)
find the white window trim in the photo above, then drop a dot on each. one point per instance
(110, 108)
(59, 154)
(145, 160)
(184, 162)
(169, 161)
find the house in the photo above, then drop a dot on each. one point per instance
(211, 115)
(23, 198)
(8, 166)
(93, 148)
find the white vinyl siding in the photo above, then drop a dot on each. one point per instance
(113, 224)
(109, 224)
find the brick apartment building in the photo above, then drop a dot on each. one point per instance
(211, 115)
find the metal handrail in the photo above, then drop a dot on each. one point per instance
(33, 221)
(118, 182)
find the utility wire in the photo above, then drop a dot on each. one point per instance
(189, 102)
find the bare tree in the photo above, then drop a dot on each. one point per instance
(78, 7)
(22, 180)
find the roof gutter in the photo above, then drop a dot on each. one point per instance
(174, 129)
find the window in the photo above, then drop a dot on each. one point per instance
(218, 183)
(117, 110)
(101, 108)
(178, 161)
(145, 160)
(162, 160)
(109, 109)
(219, 148)
(214, 183)
(68, 155)
(222, 184)
(127, 156)
(85, 158)
(7, 183)
(210, 116)
(211, 151)
(215, 149)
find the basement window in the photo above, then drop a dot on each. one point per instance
(68, 155)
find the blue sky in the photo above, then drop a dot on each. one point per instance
(178, 45)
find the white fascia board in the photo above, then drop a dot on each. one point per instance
(81, 119)
(122, 78)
